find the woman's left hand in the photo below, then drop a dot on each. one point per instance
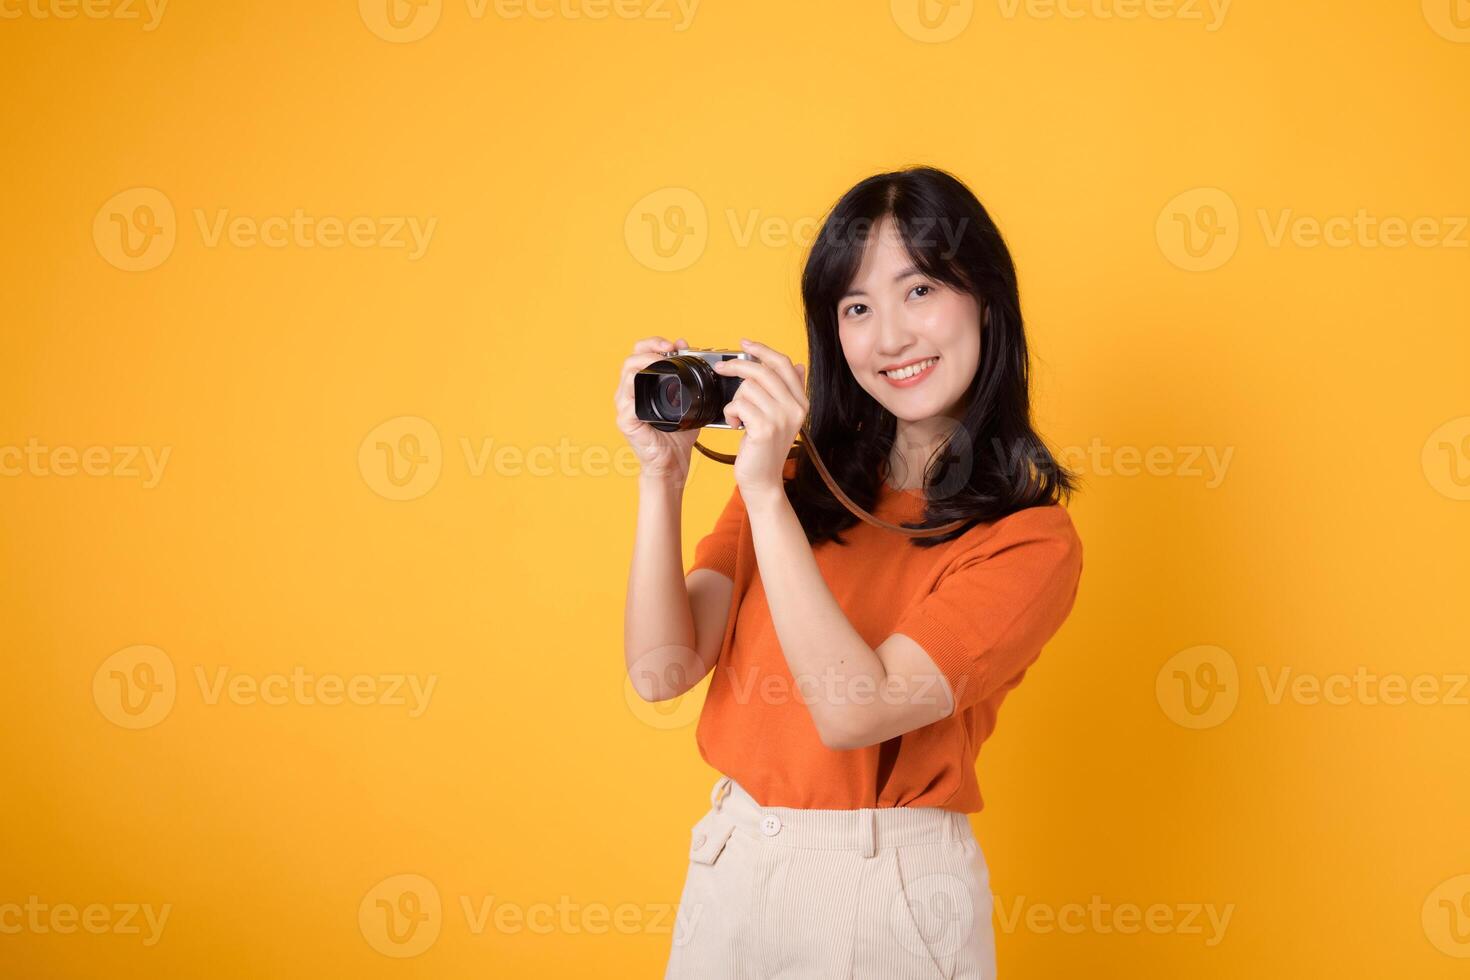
(770, 405)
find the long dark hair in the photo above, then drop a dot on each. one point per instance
(992, 463)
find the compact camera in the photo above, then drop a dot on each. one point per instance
(682, 391)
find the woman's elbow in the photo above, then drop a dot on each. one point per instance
(845, 734)
(662, 675)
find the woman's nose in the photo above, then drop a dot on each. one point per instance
(894, 334)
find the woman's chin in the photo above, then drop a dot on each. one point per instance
(911, 409)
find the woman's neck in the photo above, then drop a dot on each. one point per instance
(913, 445)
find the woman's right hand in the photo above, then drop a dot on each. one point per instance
(664, 455)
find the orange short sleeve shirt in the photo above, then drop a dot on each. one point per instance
(982, 606)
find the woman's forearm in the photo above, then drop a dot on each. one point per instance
(836, 672)
(658, 623)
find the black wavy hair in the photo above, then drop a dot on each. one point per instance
(992, 463)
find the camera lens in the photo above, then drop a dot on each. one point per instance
(670, 402)
(677, 393)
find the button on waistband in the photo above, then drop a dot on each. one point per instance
(866, 831)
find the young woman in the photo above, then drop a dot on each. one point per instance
(856, 670)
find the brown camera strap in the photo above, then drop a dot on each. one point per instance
(805, 443)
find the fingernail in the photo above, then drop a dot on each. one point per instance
(743, 341)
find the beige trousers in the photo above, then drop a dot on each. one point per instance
(894, 893)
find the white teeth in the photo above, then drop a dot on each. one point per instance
(910, 371)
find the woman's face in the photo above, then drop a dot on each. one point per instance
(912, 342)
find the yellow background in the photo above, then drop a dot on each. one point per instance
(1335, 540)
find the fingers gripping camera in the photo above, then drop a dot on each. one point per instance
(682, 391)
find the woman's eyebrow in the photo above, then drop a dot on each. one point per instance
(911, 270)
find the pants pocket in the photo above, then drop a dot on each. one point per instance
(941, 913)
(708, 837)
(704, 934)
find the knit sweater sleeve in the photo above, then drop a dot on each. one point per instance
(998, 602)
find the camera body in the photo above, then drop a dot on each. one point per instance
(682, 390)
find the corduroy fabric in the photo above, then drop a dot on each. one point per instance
(886, 893)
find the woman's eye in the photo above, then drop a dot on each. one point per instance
(855, 309)
(926, 289)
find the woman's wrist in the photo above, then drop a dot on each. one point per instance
(661, 483)
(763, 501)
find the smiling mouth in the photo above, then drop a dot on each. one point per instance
(911, 371)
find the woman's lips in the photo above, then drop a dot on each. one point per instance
(916, 379)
